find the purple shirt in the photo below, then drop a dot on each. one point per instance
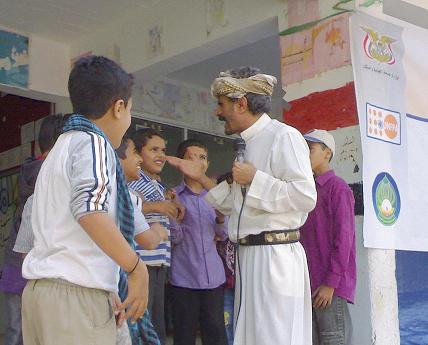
(195, 262)
(328, 237)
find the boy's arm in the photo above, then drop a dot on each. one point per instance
(166, 208)
(90, 165)
(343, 239)
(343, 235)
(220, 225)
(104, 232)
(146, 236)
(193, 170)
(292, 187)
(150, 238)
(25, 238)
(160, 230)
(219, 195)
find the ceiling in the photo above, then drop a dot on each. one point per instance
(419, 3)
(411, 11)
(65, 20)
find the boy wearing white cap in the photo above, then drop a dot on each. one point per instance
(328, 237)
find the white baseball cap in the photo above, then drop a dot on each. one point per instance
(321, 136)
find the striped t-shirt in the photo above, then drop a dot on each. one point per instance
(77, 178)
(152, 191)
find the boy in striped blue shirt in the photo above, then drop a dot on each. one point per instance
(151, 146)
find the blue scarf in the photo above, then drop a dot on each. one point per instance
(142, 332)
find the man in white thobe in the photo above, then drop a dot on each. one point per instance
(272, 295)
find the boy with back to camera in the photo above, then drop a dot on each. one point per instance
(146, 237)
(83, 219)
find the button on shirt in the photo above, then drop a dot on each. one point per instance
(195, 262)
(282, 191)
(328, 237)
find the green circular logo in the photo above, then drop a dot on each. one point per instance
(386, 199)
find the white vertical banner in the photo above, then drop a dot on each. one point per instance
(394, 130)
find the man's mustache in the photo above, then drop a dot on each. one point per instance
(221, 118)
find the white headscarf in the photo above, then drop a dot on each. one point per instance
(226, 85)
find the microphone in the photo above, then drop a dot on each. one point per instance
(239, 147)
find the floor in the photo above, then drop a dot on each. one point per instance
(168, 340)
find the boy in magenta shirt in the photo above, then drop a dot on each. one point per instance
(328, 237)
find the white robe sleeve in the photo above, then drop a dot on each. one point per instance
(292, 186)
(220, 197)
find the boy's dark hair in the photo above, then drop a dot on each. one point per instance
(182, 148)
(121, 150)
(142, 136)
(50, 129)
(95, 83)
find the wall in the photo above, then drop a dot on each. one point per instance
(48, 70)
(183, 26)
(49, 66)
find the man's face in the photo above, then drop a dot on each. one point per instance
(227, 111)
(132, 163)
(197, 154)
(153, 155)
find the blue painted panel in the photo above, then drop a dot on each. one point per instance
(412, 284)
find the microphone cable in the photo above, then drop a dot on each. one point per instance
(238, 263)
(228, 177)
(239, 146)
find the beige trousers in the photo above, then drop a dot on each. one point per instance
(57, 312)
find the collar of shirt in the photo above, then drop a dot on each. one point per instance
(183, 187)
(324, 178)
(256, 128)
(144, 176)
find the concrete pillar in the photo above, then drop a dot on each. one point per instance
(383, 297)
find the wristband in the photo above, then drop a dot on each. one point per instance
(136, 264)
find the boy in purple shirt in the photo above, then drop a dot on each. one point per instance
(328, 237)
(197, 273)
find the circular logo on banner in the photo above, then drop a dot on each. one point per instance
(386, 199)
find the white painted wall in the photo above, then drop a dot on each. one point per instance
(48, 70)
(184, 27)
(49, 66)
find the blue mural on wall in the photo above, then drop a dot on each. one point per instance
(412, 284)
(14, 59)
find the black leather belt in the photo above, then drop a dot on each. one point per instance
(271, 238)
